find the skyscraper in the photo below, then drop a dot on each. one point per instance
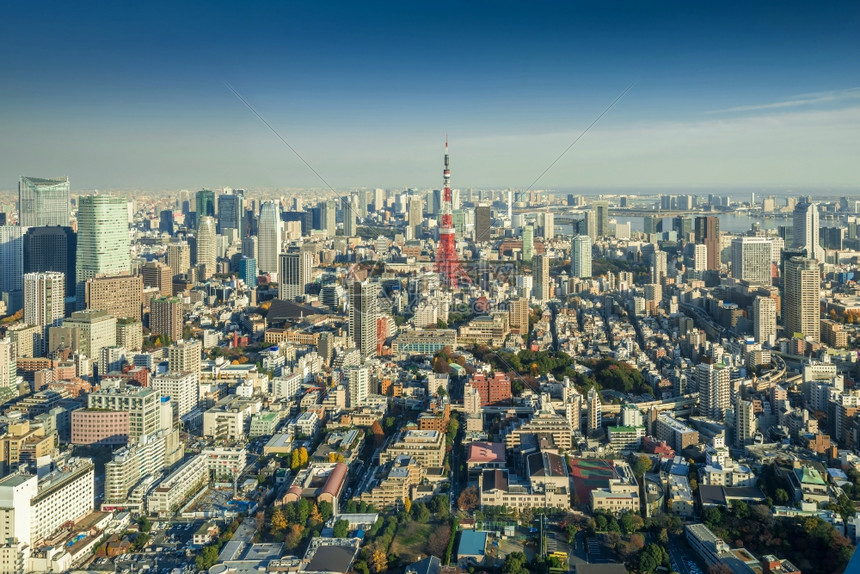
(206, 248)
(52, 249)
(601, 217)
(43, 202)
(269, 238)
(416, 215)
(548, 225)
(11, 267)
(540, 266)
(231, 212)
(362, 316)
(349, 216)
(483, 223)
(44, 301)
(714, 384)
(580, 257)
(751, 259)
(296, 267)
(708, 234)
(659, 266)
(103, 243)
(328, 215)
(248, 271)
(683, 226)
(805, 230)
(249, 246)
(205, 204)
(528, 243)
(800, 308)
(764, 319)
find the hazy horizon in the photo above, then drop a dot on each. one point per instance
(126, 97)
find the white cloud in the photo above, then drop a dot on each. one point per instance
(813, 99)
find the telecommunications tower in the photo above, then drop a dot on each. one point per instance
(447, 260)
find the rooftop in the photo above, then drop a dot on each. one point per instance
(472, 543)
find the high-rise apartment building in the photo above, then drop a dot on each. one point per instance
(8, 364)
(296, 268)
(751, 259)
(165, 317)
(714, 384)
(182, 388)
(540, 271)
(350, 212)
(44, 300)
(595, 411)
(764, 319)
(707, 233)
(547, 225)
(519, 312)
(52, 249)
(207, 251)
(745, 422)
(184, 356)
(11, 267)
(358, 385)
(659, 266)
(801, 305)
(179, 257)
(416, 215)
(158, 275)
(483, 223)
(328, 217)
(103, 242)
(580, 257)
(362, 316)
(43, 202)
(269, 237)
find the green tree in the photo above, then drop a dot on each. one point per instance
(641, 465)
(341, 529)
(713, 516)
(780, 496)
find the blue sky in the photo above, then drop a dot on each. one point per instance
(133, 96)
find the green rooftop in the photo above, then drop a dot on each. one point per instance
(808, 475)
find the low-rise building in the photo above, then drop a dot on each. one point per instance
(426, 447)
(620, 495)
(96, 427)
(625, 438)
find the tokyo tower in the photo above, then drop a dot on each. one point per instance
(447, 261)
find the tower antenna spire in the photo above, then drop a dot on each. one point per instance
(447, 260)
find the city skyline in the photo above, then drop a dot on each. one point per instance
(744, 96)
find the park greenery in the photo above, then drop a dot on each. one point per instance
(809, 542)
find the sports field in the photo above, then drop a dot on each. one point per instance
(590, 474)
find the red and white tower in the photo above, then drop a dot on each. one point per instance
(447, 261)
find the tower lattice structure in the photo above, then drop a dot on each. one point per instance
(447, 261)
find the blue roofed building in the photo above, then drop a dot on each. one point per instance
(472, 547)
